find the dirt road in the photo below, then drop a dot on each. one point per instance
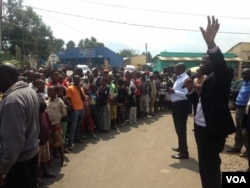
(137, 157)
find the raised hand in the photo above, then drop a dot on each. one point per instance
(210, 32)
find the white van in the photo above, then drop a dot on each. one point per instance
(84, 68)
(129, 68)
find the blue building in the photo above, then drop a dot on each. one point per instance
(93, 57)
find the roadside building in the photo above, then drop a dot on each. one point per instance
(168, 60)
(137, 61)
(242, 50)
(100, 57)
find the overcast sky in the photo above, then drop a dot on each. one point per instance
(165, 25)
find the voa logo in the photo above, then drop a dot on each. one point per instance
(236, 179)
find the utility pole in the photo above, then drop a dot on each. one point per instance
(146, 48)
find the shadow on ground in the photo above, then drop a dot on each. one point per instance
(113, 133)
(190, 164)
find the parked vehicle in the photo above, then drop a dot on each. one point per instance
(129, 68)
(235, 88)
(84, 68)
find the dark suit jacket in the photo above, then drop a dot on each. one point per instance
(215, 95)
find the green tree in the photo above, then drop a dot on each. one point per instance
(70, 44)
(22, 27)
(24, 33)
(127, 53)
(58, 44)
(90, 43)
(81, 44)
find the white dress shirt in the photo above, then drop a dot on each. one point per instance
(180, 92)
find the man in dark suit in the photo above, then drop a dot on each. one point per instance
(213, 120)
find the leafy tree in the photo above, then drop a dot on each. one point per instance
(90, 43)
(100, 44)
(81, 44)
(22, 27)
(57, 44)
(24, 33)
(127, 53)
(70, 44)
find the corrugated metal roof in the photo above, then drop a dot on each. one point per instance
(179, 58)
(235, 59)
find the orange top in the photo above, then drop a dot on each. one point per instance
(75, 98)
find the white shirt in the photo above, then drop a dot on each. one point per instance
(180, 92)
(199, 116)
(131, 84)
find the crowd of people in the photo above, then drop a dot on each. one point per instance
(75, 107)
(45, 112)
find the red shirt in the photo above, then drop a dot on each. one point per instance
(138, 86)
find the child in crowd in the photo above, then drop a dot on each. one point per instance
(85, 84)
(93, 104)
(54, 75)
(63, 81)
(104, 116)
(121, 102)
(56, 110)
(132, 106)
(44, 141)
(41, 89)
(61, 93)
(87, 120)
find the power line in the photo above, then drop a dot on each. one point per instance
(160, 11)
(73, 28)
(67, 25)
(24, 29)
(133, 24)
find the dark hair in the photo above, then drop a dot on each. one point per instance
(53, 71)
(9, 71)
(120, 82)
(132, 87)
(105, 79)
(78, 71)
(57, 87)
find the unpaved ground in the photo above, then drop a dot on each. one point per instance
(232, 162)
(137, 157)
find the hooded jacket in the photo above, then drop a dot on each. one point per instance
(19, 126)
